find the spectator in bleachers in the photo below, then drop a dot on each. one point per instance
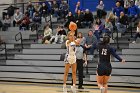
(6, 22)
(37, 7)
(18, 16)
(55, 8)
(47, 34)
(133, 12)
(69, 18)
(137, 33)
(112, 19)
(78, 7)
(25, 22)
(10, 10)
(103, 19)
(121, 2)
(49, 4)
(91, 42)
(122, 22)
(63, 9)
(98, 26)
(79, 17)
(44, 10)
(30, 9)
(60, 34)
(59, 2)
(117, 10)
(137, 3)
(82, 38)
(36, 21)
(37, 17)
(126, 6)
(108, 28)
(100, 9)
(88, 18)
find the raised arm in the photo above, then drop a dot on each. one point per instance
(113, 52)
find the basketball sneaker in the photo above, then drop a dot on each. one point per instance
(73, 88)
(102, 89)
(64, 89)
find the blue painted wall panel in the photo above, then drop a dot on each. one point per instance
(91, 4)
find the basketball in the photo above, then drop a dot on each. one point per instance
(72, 26)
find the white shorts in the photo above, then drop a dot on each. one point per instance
(71, 59)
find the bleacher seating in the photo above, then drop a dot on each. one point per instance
(42, 62)
(9, 36)
(40, 46)
(134, 46)
(43, 59)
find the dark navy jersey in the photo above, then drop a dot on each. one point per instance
(104, 53)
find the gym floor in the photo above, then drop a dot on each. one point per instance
(14, 87)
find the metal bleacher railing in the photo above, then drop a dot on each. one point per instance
(17, 39)
(4, 48)
(117, 36)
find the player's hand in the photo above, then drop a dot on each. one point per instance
(123, 61)
(85, 64)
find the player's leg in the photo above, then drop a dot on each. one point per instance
(106, 78)
(66, 71)
(105, 81)
(80, 73)
(74, 66)
(100, 75)
(100, 83)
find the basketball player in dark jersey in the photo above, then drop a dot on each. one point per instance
(104, 67)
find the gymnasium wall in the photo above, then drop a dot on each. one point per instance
(91, 4)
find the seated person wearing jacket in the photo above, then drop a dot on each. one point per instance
(47, 34)
(25, 22)
(122, 22)
(88, 18)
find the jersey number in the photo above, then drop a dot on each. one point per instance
(104, 51)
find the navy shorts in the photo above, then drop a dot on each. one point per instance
(104, 69)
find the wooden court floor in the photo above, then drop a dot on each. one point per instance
(14, 87)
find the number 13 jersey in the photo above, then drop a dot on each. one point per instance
(104, 53)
